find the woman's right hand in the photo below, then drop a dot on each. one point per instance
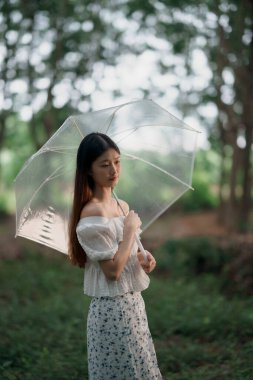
(132, 221)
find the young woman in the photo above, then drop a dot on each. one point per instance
(102, 240)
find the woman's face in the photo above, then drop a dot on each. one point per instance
(105, 170)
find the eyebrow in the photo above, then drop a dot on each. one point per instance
(108, 160)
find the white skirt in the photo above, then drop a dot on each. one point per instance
(119, 342)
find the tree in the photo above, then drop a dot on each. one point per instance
(49, 46)
(223, 31)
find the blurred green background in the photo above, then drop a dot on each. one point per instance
(196, 60)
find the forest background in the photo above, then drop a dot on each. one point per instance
(196, 60)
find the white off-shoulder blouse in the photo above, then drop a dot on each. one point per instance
(99, 236)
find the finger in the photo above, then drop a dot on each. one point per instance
(149, 257)
(147, 267)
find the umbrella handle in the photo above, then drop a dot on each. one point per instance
(144, 254)
(136, 236)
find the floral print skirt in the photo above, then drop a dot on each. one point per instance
(119, 342)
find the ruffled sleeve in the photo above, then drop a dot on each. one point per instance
(99, 241)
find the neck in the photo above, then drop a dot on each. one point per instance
(102, 194)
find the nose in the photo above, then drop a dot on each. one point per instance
(113, 170)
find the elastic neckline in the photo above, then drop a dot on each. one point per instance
(99, 216)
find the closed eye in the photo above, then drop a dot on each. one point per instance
(105, 165)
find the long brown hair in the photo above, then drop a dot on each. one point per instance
(90, 148)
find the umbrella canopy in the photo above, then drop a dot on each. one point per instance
(157, 160)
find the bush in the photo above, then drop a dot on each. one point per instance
(238, 272)
(3, 205)
(201, 198)
(191, 256)
(231, 263)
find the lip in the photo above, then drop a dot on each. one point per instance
(113, 178)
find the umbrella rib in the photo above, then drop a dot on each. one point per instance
(117, 109)
(178, 120)
(110, 120)
(124, 137)
(132, 131)
(157, 167)
(58, 149)
(173, 126)
(76, 125)
(164, 209)
(194, 152)
(166, 125)
(110, 108)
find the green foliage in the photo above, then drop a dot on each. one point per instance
(205, 180)
(17, 149)
(3, 204)
(191, 256)
(202, 198)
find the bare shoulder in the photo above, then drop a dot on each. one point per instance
(95, 209)
(124, 205)
(91, 209)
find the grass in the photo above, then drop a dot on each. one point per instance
(198, 332)
(43, 316)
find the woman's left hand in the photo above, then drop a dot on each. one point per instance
(149, 264)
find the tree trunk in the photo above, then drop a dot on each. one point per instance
(232, 214)
(244, 83)
(247, 181)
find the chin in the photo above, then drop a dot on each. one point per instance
(113, 185)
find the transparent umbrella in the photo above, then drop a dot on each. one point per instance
(157, 160)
